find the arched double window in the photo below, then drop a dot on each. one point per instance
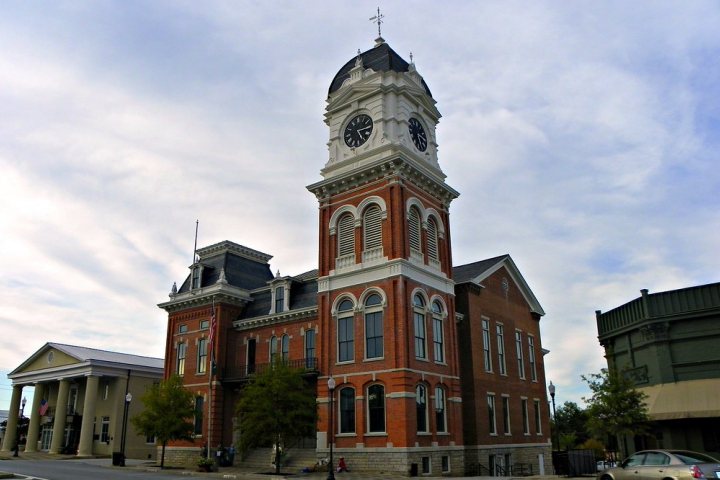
(347, 410)
(420, 330)
(345, 333)
(374, 327)
(376, 408)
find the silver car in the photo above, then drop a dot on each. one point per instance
(664, 465)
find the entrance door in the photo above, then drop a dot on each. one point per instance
(46, 437)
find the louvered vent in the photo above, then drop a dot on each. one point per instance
(373, 227)
(414, 222)
(432, 242)
(346, 235)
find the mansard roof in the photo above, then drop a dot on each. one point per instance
(380, 58)
(303, 295)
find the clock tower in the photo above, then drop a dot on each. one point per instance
(386, 301)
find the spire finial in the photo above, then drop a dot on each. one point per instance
(379, 20)
(411, 57)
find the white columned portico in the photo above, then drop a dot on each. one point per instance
(12, 422)
(88, 417)
(34, 427)
(60, 416)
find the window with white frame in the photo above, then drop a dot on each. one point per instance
(372, 227)
(346, 235)
(525, 418)
(310, 348)
(519, 350)
(538, 423)
(105, 430)
(421, 409)
(501, 349)
(531, 358)
(180, 364)
(374, 327)
(506, 414)
(273, 348)
(346, 336)
(347, 410)
(279, 299)
(182, 328)
(440, 410)
(492, 425)
(486, 344)
(195, 278)
(285, 347)
(419, 320)
(376, 408)
(204, 324)
(438, 333)
(202, 355)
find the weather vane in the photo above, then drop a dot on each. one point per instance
(379, 20)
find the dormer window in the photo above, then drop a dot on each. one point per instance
(196, 273)
(279, 299)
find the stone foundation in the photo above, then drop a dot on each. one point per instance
(180, 456)
(532, 454)
(403, 461)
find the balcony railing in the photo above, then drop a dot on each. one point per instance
(244, 372)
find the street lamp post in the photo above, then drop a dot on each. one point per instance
(17, 435)
(128, 399)
(331, 387)
(551, 388)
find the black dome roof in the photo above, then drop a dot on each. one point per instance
(380, 58)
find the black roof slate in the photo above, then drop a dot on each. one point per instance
(239, 272)
(465, 273)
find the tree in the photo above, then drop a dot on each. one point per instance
(276, 406)
(615, 409)
(571, 424)
(169, 410)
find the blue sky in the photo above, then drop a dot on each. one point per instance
(582, 136)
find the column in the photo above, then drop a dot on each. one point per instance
(34, 427)
(12, 421)
(60, 416)
(88, 419)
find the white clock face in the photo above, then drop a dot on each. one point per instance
(417, 134)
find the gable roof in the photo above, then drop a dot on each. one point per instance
(478, 271)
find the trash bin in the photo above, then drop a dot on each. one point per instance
(117, 458)
(413, 469)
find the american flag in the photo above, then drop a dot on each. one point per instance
(43, 407)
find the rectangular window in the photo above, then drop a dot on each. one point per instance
(204, 324)
(310, 349)
(150, 440)
(425, 464)
(374, 335)
(491, 415)
(486, 344)
(105, 430)
(279, 299)
(347, 410)
(199, 406)
(438, 339)
(445, 464)
(538, 423)
(531, 357)
(346, 340)
(196, 278)
(420, 336)
(506, 414)
(440, 423)
(501, 349)
(526, 421)
(519, 350)
(376, 408)
(182, 328)
(180, 366)
(421, 408)
(202, 355)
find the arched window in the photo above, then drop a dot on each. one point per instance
(285, 347)
(346, 235)
(414, 226)
(373, 327)
(347, 410)
(421, 408)
(346, 336)
(199, 415)
(432, 239)
(376, 408)
(440, 413)
(372, 227)
(420, 330)
(273, 348)
(438, 333)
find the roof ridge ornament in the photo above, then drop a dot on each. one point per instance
(379, 20)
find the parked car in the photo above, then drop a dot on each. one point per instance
(604, 465)
(664, 465)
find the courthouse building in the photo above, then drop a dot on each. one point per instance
(78, 405)
(437, 368)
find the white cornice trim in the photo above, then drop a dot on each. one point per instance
(228, 246)
(85, 369)
(220, 292)
(291, 315)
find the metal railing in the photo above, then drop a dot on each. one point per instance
(244, 372)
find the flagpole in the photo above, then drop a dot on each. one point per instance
(211, 357)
